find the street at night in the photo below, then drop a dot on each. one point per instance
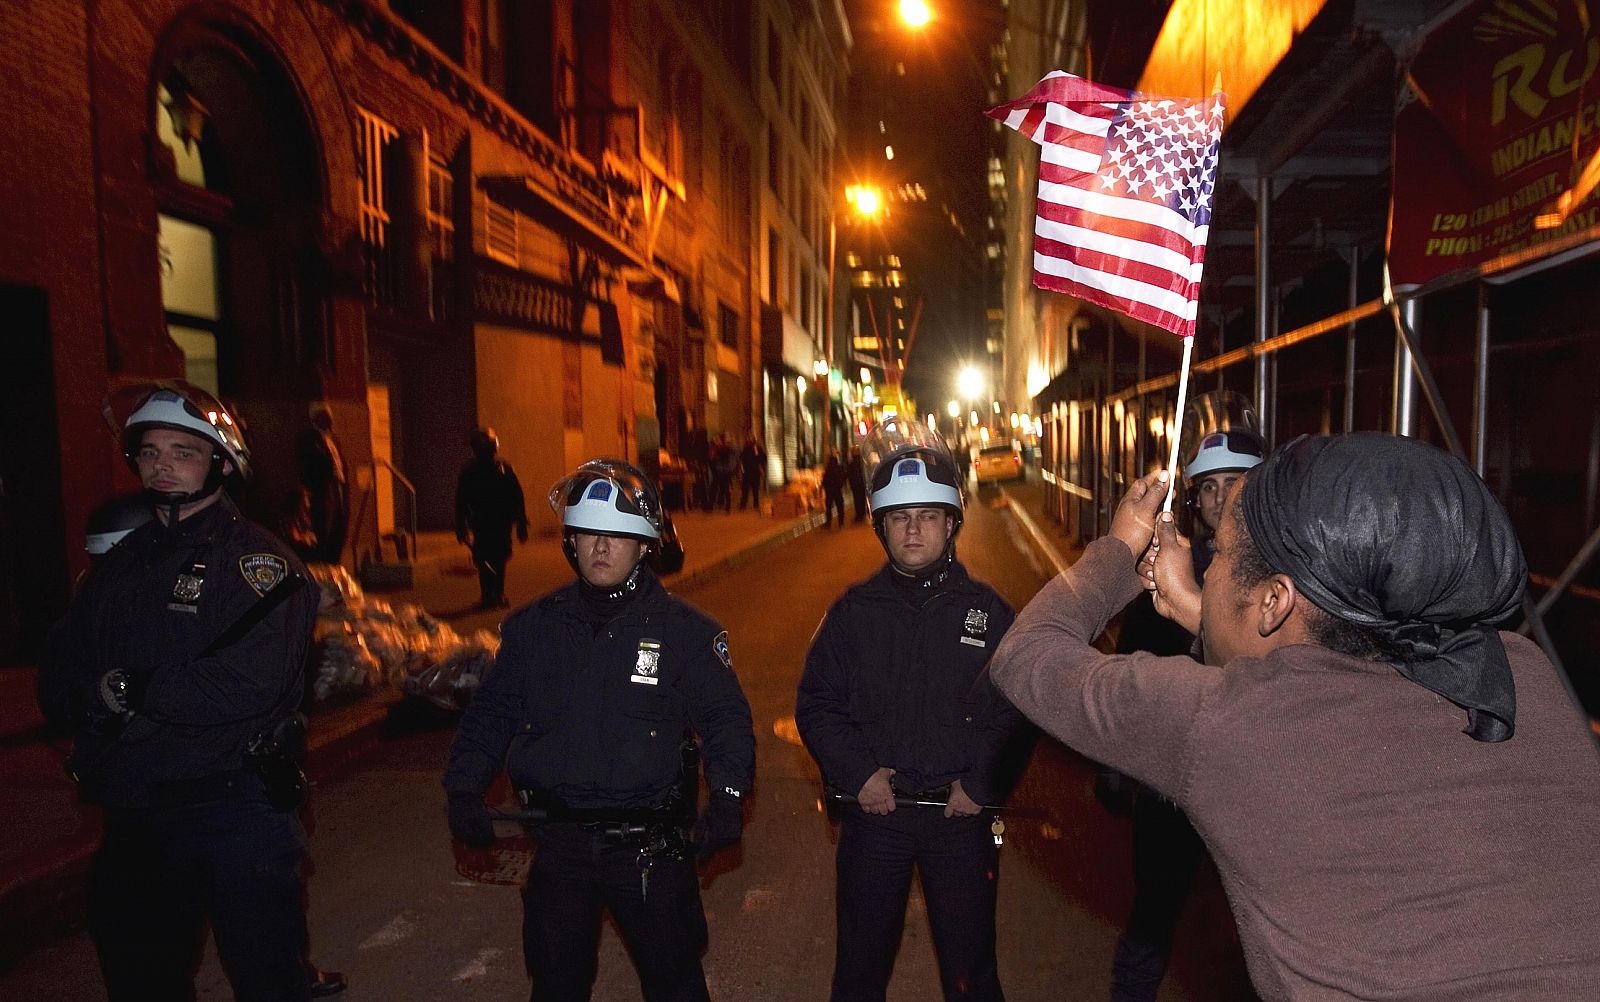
(390, 909)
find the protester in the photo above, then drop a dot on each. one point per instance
(857, 474)
(1371, 845)
(833, 481)
(753, 467)
(322, 479)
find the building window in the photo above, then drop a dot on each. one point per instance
(441, 208)
(500, 232)
(774, 161)
(190, 297)
(376, 138)
(774, 265)
(727, 325)
(775, 59)
(805, 299)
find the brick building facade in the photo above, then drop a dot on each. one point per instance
(542, 216)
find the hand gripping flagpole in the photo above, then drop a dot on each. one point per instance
(1177, 427)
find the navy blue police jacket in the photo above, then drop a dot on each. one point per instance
(153, 608)
(891, 684)
(596, 717)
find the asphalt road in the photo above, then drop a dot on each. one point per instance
(390, 904)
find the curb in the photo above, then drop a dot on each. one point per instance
(712, 571)
(1040, 540)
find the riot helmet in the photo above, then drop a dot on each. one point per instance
(485, 443)
(1225, 452)
(1221, 432)
(907, 465)
(113, 519)
(179, 406)
(608, 497)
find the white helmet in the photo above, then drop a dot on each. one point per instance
(908, 466)
(183, 407)
(114, 519)
(608, 497)
(1235, 450)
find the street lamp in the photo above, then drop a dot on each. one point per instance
(915, 13)
(953, 408)
(969, 383)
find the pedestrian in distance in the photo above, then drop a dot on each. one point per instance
(895, 702)
(321, 466)
(599, 690)
(489, 505)
(833, 481)
(1167, 852)
(753, 468)
(1401, 800)
(858, 482)
(180, 668)
(724, 465)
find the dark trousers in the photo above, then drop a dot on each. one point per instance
(1166, 855)
(160, 875)
(491, 566)
(858, 495)
(750, 491)
(722, 491)
(833, 500)
(577, 873)
(960, 869)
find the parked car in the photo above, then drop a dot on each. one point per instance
(996, 463)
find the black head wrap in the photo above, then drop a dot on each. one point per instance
(1396, 535)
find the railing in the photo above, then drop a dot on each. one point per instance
(404, 539)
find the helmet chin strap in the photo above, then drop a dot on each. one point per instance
(172, 501)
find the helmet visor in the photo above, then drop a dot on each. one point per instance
(608, 496)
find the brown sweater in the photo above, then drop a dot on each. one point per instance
(1369, 849)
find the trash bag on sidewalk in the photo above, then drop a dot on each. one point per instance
(451, 681)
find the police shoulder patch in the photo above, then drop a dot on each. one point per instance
(263, 571)
(719, 644)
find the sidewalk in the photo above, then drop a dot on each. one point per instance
(47, 834)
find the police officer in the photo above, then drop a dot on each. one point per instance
(594, 691)
(895, 702)
(1167, 851)
(181, 658)
(489, 505)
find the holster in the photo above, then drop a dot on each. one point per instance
(277, 755)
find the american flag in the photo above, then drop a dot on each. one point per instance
(1125, 184)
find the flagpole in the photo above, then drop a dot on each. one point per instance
(1177, 427)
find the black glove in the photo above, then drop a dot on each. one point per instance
(470, 821)
(721, 824)
(119, 693)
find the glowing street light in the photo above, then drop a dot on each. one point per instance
(969, 383)
(864, 199)
(953, 408)
(915, 13)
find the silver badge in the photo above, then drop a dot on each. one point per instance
(186, 590)
(647, 663)
(976, 628)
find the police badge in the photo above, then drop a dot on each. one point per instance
(976, 628)
(263, 571)
(647, 664)
(186, 590)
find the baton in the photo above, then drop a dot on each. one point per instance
(904, 801)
